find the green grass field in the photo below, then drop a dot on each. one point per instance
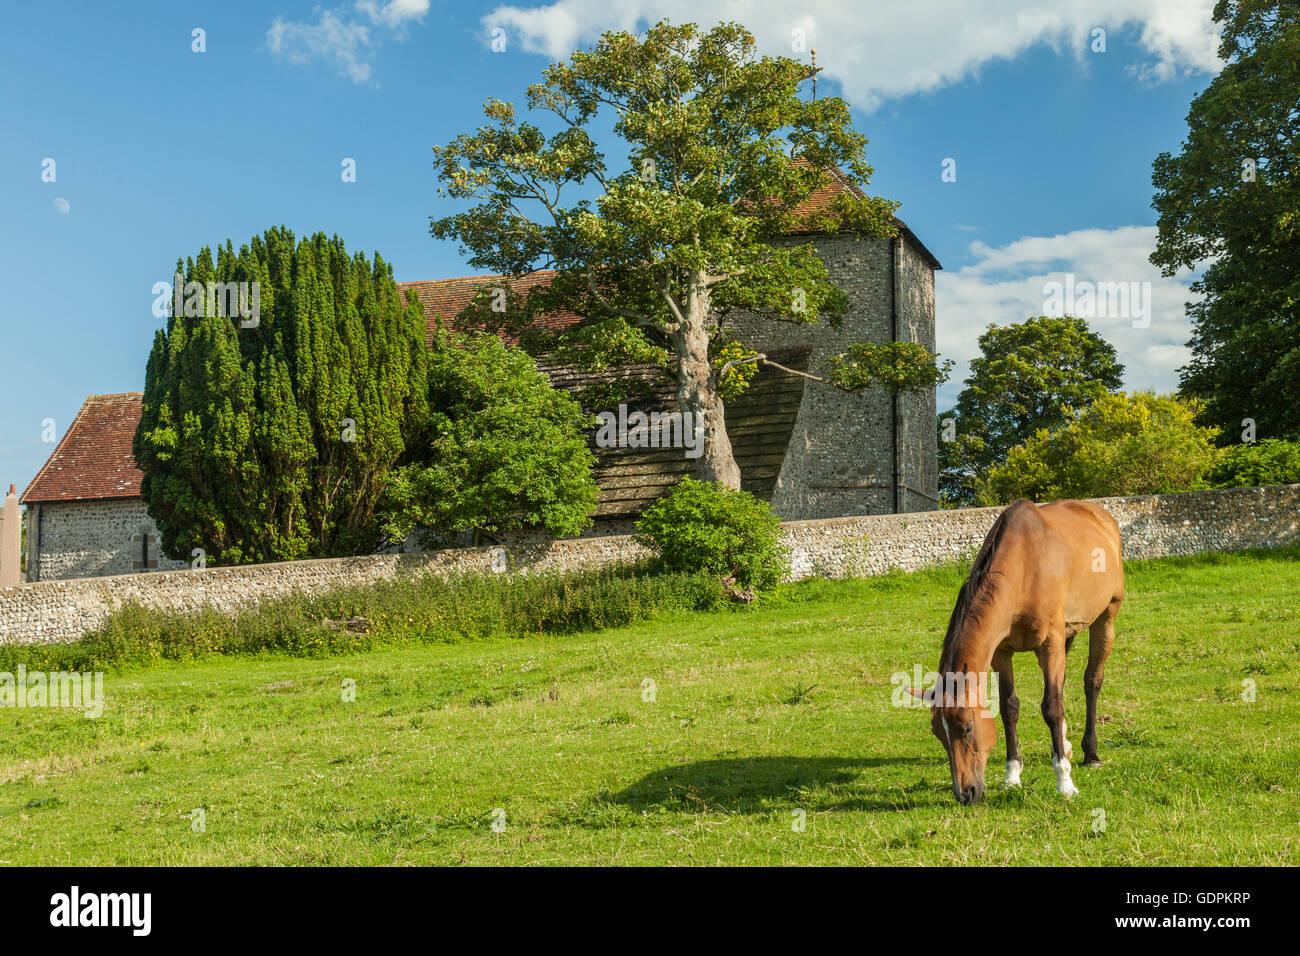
(757, 715)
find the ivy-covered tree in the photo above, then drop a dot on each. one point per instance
(721, 150)
(268, 434)
(1231, 199)
(1028, 376)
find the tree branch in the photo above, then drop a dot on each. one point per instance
(762, 357)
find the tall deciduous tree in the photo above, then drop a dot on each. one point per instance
(1028, 376)
(721, 152)
(1232, 198)
(270, 437)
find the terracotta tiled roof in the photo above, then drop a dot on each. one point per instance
(93, 461)
(841, 183)
(821, 198)
(449, 297)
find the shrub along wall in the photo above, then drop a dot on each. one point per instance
(1152, 526)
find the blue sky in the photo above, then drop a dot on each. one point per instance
(160, 150)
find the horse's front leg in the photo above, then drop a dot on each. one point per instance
(1009, 709)
(1051, 658)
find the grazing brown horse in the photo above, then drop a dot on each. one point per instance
(1043, 574)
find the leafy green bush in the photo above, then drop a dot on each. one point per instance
(704, 528)
(1253, 464)
(502, 448)
(1122, 444)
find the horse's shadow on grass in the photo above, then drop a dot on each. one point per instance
(758, 784)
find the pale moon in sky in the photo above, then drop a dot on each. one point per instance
(62, 206)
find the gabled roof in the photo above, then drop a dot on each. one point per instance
(839, 183)
(93, 462)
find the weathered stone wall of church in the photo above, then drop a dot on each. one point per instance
(918, 437)
(77, 539)
(1152, 526)
(841, 457)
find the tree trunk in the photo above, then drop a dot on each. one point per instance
(697, 392)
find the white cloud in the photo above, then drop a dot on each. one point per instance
(394, 13)
(893, 48)
(342, 36)
(1005, 284)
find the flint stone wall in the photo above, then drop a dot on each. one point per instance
(78, 539)
(840, 458)
(1152, 526)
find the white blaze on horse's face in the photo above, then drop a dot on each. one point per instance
(967, 734)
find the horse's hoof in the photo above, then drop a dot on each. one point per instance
(1093, 761)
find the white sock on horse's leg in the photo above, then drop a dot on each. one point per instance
(1064, 785)
(1013, 774)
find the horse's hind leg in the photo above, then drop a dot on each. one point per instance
(1101, 638)
(1009, 709)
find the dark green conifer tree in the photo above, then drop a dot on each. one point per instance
(270, 437)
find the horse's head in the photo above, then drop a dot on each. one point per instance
(968, 733)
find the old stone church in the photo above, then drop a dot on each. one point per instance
(811, 450)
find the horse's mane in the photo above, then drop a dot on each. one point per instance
(976, 593)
